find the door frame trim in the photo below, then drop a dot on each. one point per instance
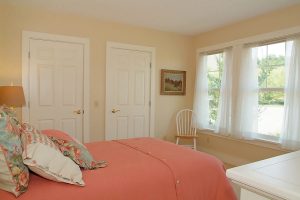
(26, 36)
(151, 50)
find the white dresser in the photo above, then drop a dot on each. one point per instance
(274, 178)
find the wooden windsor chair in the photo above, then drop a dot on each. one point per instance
(186, 121)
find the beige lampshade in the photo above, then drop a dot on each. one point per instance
(12, 96)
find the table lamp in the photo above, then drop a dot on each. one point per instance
(12, 96)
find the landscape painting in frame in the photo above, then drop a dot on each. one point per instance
(172, 82)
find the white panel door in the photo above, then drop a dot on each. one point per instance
(128, 94)
(56, 86)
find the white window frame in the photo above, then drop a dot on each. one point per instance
(212, 127)
(261, 135)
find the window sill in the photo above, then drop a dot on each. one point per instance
(257, 142)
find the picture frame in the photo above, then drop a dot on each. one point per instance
(173, 82)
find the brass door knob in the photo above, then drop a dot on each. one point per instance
(78, 112)
(115, 110)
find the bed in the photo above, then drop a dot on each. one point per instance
(139, 169)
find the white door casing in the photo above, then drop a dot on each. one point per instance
(54, 83)
(129, 102)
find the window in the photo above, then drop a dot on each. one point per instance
(244, 84)
(271, 74)
(215, 64)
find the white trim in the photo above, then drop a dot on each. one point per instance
(252, 39)
(151, 50)
(26, 36)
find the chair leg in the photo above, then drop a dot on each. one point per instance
(195, 144)
(177, 140)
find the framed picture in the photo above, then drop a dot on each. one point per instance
(173, 82)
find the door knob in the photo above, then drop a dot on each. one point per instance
(115, 110)
(78, 112)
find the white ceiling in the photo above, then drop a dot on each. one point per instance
(182, 16)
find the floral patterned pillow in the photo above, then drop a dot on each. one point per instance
(44, 158)
(78, 153)
(14, 175)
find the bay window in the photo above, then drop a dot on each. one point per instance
(251, 91)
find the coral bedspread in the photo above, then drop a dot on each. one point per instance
(140, 169)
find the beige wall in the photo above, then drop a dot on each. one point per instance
(231, 151)
(237, 152)
(172, 51)
(277, 20)
(1, 43)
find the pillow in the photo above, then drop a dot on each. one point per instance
(58, 134)
(11, 113)
(78, 153)
(14, 175)
(43, 157)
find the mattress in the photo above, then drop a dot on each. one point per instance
(139, 169)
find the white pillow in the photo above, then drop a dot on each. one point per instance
(42, 156)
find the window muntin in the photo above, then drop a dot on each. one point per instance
(215, 64)
(271, 75)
